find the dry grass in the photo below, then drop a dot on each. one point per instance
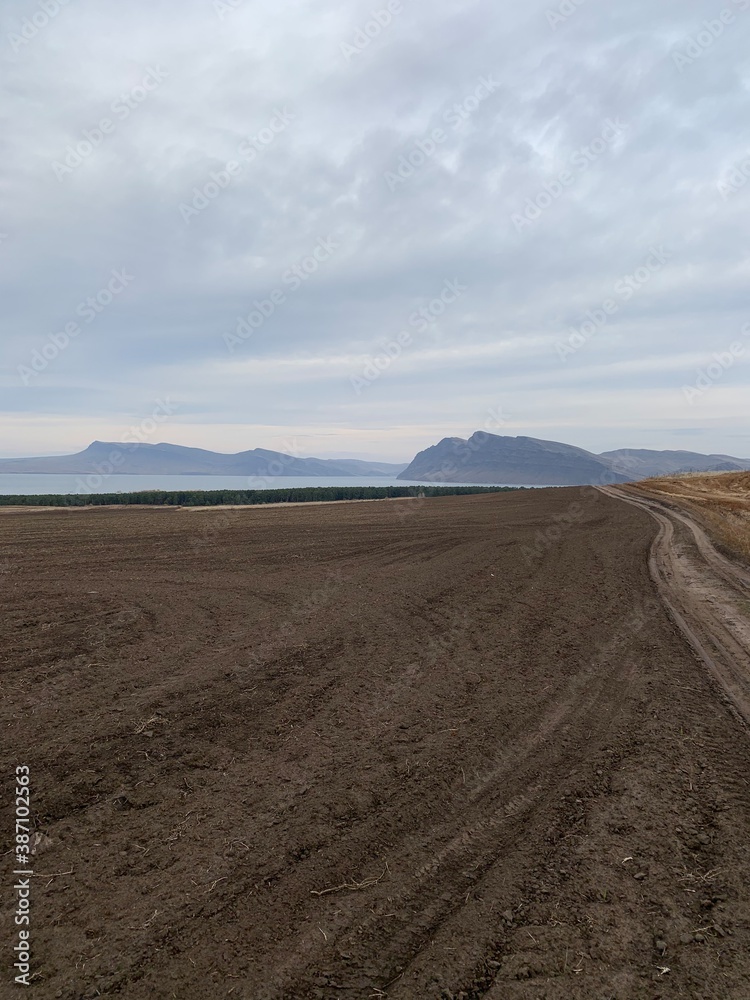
(720, 499)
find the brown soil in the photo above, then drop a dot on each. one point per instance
(452, 748)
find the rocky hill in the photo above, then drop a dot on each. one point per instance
(513, 461)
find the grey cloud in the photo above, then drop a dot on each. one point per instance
(325, 173)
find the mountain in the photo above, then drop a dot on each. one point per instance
(359, 468)
(526, 461)
(513, 461)
(640, 463)
(172, 459)
(484, 458)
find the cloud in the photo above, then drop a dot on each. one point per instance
(315, 133)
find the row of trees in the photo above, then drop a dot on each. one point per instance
(216, 498)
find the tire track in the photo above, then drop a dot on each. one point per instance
(706, 595)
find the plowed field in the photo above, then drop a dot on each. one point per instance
(452, 748)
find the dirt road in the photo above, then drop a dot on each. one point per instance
(706, 593)
(444, 749)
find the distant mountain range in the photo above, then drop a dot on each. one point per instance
(483, 458)
(526, 461)
(639, 463)
(172, 459)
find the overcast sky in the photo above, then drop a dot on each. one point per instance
(507, 168)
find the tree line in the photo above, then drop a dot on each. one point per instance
(217, 498)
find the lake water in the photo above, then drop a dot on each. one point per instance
(34, 485)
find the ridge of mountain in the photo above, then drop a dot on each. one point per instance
(172, 459)
(483, 458)
(526, 461)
